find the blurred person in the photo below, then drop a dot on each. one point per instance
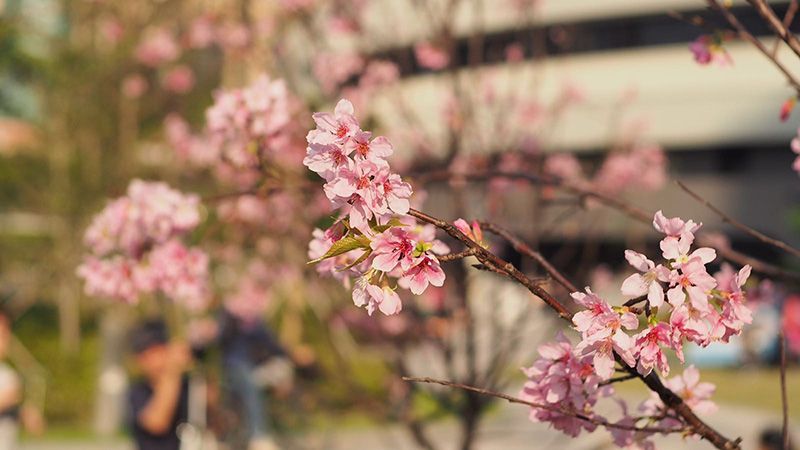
(159, 401)
(252, 359)
(10, 390)
(772, 439)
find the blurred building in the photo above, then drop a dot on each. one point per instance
(630, 61)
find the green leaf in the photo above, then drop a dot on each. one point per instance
(342, 246)
(360, 259)
(394, 222)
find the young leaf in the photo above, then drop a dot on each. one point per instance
(342, 246)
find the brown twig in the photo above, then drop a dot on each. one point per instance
(620, 379)
(556, 409)
(787, 23)
(776, 24)
(747, 36)
(490, 259)
(740, 226)
(524, 249)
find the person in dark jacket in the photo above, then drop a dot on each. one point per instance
(159, 401)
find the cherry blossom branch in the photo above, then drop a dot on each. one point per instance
(490, 259)
(747, 36)
(652, 381)
(575, 414)
(740, 226)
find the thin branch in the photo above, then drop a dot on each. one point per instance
(784, 401)
(524, 249)
(490, 259)
(635, 301)
(776, 24)
(555, 409)
(747, 36)
(787, 23)
(627, 377)
(740, 226)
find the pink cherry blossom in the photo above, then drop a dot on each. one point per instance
(336, 127)
(182, 274)
(795, 145)
(425, 270)
(376, 298)
(674, 226)
(677, 249)
(430, 56)
(649, 348)
(473, 232)
(692, 280)
(391, 248)
(563, 379)
(564, 165)
(179, 79)
(375, 150)
(134, 86)
(647, 282)
(707, 49)
(158, 46)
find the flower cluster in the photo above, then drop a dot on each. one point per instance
(643, 167)
(374, 238)
(565, 380)
(135, 248)
(243, 124)
(685, 303)
(682, 303)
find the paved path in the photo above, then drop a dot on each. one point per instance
(506, 429)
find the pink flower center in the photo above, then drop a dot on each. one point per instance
(362, 148)
(363, 182)
(342, 131)
(339, 158)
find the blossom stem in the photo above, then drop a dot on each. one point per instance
(566, 412)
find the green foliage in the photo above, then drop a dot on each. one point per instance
(71, 380)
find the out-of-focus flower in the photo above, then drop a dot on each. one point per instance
(133, 86)
(179, 79)
(158, 46)
(430, 56)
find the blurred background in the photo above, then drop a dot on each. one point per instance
(95, 93)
